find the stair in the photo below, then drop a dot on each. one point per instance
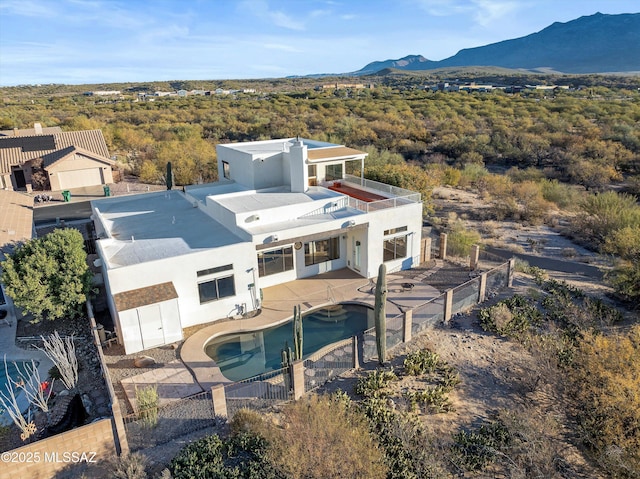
(332, 313)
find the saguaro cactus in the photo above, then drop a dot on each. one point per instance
(169, 178)
(297, 331)
(286, 360)
(381, 314)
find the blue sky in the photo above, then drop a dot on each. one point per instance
(99, 41)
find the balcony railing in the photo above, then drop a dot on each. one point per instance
(391, 196)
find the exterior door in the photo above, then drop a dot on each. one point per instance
(21, 182)
(357, 248)
(151, 329)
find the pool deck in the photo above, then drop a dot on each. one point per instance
(335, 287)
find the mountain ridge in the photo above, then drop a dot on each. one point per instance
(598, 43)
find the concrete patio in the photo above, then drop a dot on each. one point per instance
(335, 287)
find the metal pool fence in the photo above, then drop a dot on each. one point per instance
(155, 426)
(279, 386)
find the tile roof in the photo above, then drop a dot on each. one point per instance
(17, 217)
(53, 158)
(17, 150)
(47, 130)
(136, 298)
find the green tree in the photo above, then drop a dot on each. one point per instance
(49, 276)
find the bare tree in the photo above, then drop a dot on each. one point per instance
(63, 354)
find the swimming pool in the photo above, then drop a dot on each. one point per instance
(244, 355)
(14, 370)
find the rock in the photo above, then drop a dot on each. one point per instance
(144, 362)
(86, 402)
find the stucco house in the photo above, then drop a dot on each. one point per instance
(283, 209)
(70, 159)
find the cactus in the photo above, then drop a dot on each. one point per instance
(169, 178)
(297, 331)
(287, 363)
(381, 314)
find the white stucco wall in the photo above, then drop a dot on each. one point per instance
(181, 271)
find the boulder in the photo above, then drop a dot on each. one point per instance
(144, 362)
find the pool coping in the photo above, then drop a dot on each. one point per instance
(311, 293)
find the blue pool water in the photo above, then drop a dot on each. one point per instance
(16, 369)
(244, 355)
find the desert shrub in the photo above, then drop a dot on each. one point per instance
(421, 362)
(510, 317)
(517, 443)
(534, 208)
(434, 398)
(497, 186)
(54, 373)
(606, 380)
(605, 213)
(460, 239)
(410, 453)
(246, 421)
(564, 196)
(472, 175)
(130, 466)
(147, 400)
(528, 174)
(475, 449)
(625, 276)
(451, 176)
(239, 457)
(374, 383)
(321, 437)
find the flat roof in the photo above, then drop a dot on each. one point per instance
(272, 198)
(200, 192)
(275, 146)
(154, 226)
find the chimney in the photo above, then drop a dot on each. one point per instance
(38, 128)
(298, 173)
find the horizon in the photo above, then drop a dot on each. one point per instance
(79, 42)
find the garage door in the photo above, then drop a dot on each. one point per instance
(79, 178)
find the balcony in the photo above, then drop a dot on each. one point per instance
(368, 196)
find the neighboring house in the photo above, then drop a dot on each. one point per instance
(284, 209)
(70, 159)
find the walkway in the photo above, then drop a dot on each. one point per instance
(335, 287)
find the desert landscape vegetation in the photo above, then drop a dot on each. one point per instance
(543, 381)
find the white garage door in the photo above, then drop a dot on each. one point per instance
(79, 178)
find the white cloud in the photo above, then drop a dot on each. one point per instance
(27, 8)
(491, 11)
(260, 8)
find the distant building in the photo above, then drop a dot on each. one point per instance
(103, 93)
(70, 159)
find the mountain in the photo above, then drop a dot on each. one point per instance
(596, 43)
(410, 62)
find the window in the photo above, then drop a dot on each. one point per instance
(395, 248)
(312, 173)
(225, 170)
(275, 261)
(217, 269)
(395, 230)
(216, 289)
(320, 251)
(333, 172)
